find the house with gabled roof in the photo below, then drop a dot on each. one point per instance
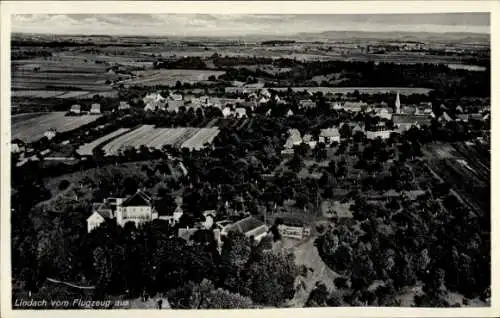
(444, 118)
(123, 105)
(240, 112)
(95, 108)
(250, 226)
(226, 111)
(137, 208)
(329, 135)
(51, 133)
(406, 121)
(357, 128)
(101, 211)
(17, 146)
(154, 101)
(75, 109)
(307, 104)
(384, 113)
(176, 97)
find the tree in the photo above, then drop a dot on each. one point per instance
(271, 279)
(63, 185)
(318, 296)
(103, 266)
(235, 254)
(363, 272)
(130, 186)
(223, 299)
(345, 131)
(296, 163)
(340, 282)
(205, 296)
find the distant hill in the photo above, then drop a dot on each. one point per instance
(476, 38)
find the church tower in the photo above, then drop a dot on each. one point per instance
(398, 104)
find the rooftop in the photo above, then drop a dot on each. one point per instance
(330, 132)
(138, 199)
(245, 225)
(410, 119)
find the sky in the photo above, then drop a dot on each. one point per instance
(241, 24)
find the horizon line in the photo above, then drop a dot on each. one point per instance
(257, 34)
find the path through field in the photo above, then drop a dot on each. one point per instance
(307, 254)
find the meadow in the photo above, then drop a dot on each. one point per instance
(29, 128)
(170, 77)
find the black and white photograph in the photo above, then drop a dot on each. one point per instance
(191, 161)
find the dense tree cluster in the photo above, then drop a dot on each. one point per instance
(401, 246)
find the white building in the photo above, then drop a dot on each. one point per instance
(329, 135)
(226, 111)
(384, 113)
(306, 104)
(384, 134)
(17, 146)
(177, 97)
(123, 105)
(51, 133)
(95, 108)
(265, 93)
(75, 109)
(137, 208)
(240, 112)
(154, 102)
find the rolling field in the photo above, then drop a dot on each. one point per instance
(59, 73)
(361, 90)
(29, 128)
(86, 149)
(170, 77)
(25, 116)
(467, 169)
(61, 94)
(151, 137)
(37, 94)
(204, 135)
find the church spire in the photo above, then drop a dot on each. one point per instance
(398, 104)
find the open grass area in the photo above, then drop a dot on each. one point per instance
(170, 77)
(32, 128)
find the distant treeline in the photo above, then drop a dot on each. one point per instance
(63, 44)
(277, 42)
(34, 53)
